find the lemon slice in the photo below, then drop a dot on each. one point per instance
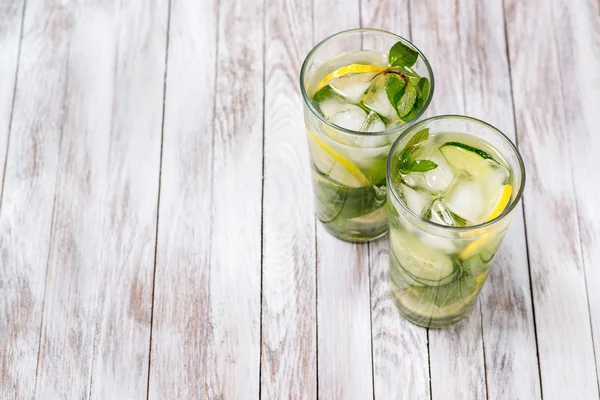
(333, 164)
(501, 203)
(349, 69)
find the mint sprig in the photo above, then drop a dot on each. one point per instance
(412, 150)
(405, 89)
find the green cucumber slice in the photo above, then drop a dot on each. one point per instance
(423, 263)
(335, 201)
(466, 158)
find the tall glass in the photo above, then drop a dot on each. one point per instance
(352, 208)
(418, 244)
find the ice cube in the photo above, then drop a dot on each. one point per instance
(441, 215)
(330, 107)
(416, 200)
(440, 178)
(414, 179)
(497, 176)
(434, 181)
(372, 123)
(375, 98)
(467, 201)
(352, 86)
(352, 117)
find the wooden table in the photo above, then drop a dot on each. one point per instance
(157, 233)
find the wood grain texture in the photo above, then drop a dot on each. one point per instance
(180, 326)
(288, 368)
(11, 20)
(88, 311)
(506, 304)
(544, 128)
(29, 185)
(394, 339)
(343, 293)
(206, 332)
(96, 326)
(436, 31)
(233, 349)
(578, 48)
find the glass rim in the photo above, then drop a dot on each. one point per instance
(359, 133)
(507, 210)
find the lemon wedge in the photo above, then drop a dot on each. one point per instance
(503, 200)
(349, 69)
(501, 203)
(333, 164)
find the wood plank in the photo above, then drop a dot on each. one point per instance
(435, 29)
(343, 311)
(538, 62)
(400, 357)
(207, 302)
(579, 49)
(180, 325)
(11, 22)
(234, 344)
(96, 324)
(288, 368)
(29, 186)
(506, 305)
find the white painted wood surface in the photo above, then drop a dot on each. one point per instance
(582, 47)
(97, 305)
(177, 255)
(29, 189)
(289, 341)
(180, 323)
(546, 126)
(508, 331)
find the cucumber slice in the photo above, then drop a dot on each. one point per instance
(336, 201)
(423, 263)
(400, 277)
(466, 158)
(440, 302)
(331, 196)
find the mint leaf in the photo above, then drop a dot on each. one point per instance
(418, 151)
(418, 138)
(407, 101)
(323, 94)
(410, 72)
(402, 55)
(422, 166)
(413, 113)
(405, 159)
(394, 89)
(424, 89)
